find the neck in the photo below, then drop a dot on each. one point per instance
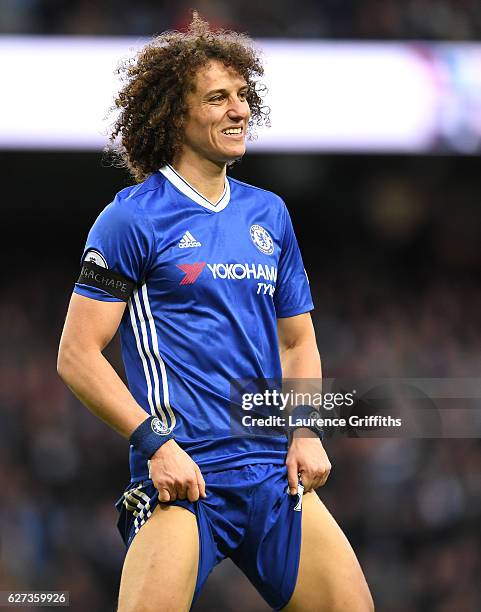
(207, 177)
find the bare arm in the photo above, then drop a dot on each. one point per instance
(300, 359)
(89, 327)
(298, 349)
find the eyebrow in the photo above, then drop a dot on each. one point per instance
(224, 91)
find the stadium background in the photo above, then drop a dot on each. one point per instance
(391, 244)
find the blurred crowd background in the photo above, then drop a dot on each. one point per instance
(391, 246)
(341, 19)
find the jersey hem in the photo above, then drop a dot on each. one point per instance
(100, 297)
(228, 464)
(284, 314)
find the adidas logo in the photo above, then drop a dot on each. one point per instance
(188, 241)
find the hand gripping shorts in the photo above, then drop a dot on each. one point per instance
(248, 516)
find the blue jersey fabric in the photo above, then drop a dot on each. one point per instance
(211, 281)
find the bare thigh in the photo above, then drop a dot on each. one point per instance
(160, 568)
(330, 578)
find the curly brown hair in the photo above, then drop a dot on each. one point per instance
(152, 102)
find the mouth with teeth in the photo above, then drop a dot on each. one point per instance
(234, 131)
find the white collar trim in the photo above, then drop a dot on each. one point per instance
(186, 188)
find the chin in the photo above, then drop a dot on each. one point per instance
(229, 156)
(233, 155)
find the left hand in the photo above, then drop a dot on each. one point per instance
(307, 457)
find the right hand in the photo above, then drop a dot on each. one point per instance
(175, 475)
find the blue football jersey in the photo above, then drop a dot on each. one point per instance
(208, 284)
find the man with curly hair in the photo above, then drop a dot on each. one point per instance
(205, 279)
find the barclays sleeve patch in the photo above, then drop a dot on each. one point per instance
(96, 257)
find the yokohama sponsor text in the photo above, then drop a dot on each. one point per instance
(239, 271)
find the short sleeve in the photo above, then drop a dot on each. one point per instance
(118, 252)
(292, 295)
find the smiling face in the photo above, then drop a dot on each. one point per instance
(218, 114)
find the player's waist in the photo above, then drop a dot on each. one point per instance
(222, 453)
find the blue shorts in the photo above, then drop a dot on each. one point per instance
(248, 516)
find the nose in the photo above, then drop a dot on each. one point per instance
(238, 109)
